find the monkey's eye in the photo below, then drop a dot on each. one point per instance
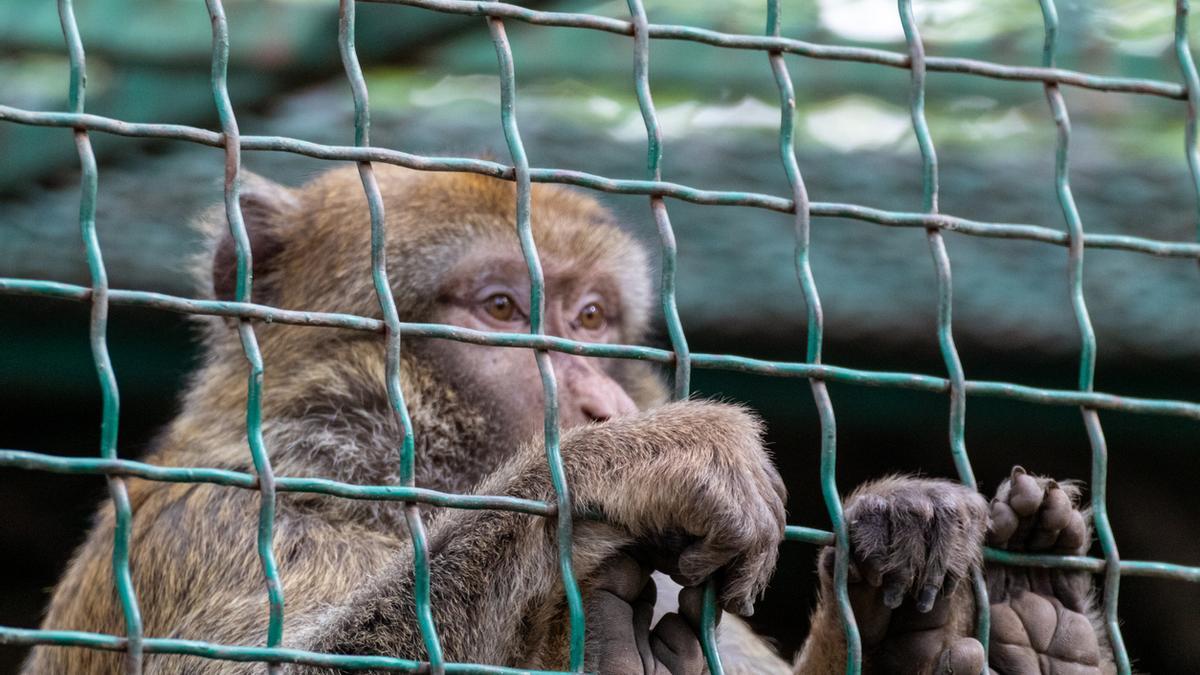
(591, 317)
(501, 307)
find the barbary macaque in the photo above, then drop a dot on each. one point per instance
(665, 495)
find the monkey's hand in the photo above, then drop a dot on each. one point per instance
(621, 640)
(688, 483)
(1040, 617)
(687, 486)
(913, 542)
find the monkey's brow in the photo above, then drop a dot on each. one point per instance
(560, 279)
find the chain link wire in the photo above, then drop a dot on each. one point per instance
(956, 385)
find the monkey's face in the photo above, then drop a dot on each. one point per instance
(489, 290)
(454, 259)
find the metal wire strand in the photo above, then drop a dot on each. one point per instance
(1087, 336)
(816, 331)
(241, 240)
(1170, 249)
(98, 337)
(248, 653)
(391, 319)
(666, 234)
(945, 296)
(815, 51)
(682, 375)
(537, 306)
(1191, 87)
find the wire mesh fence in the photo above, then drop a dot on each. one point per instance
(954, 384)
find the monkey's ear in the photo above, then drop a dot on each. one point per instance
(267, 208)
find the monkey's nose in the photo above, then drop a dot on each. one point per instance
(589, 394)
(606, 402)
(596, 414)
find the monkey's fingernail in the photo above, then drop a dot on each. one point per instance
(926, 597)
(1026, 495)
(687, 580)
(893, 596)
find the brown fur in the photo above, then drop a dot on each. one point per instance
(345, 564)
(692, 468)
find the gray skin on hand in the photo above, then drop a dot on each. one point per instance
(622, 634)
(914, 542)
(1043, 620)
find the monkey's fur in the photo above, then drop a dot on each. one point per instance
(690, 471)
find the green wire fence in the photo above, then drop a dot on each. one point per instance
(955, 384)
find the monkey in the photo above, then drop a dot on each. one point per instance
(690, 481)
(664, 494)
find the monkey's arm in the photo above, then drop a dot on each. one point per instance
(688, 472)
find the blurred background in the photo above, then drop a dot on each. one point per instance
(434, 90)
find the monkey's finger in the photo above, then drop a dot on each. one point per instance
(895, 587)
(1053, 516)
(691, 607)
(870, 532)
(773, 494)
(940, 542)
(1074, 537)
(702, 559)
(1020, 495)
(662, 550)
(963, 656)
(612, 646)
(1025, 495)
(676, 647)
(1056, 507)
(643, 613)
(620, 602)
(912, 521)
(1002, 523)
(624, 577)
(952, 543)
(747, 578)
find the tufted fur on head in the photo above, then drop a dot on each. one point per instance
(312, 245)
(311, 251)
